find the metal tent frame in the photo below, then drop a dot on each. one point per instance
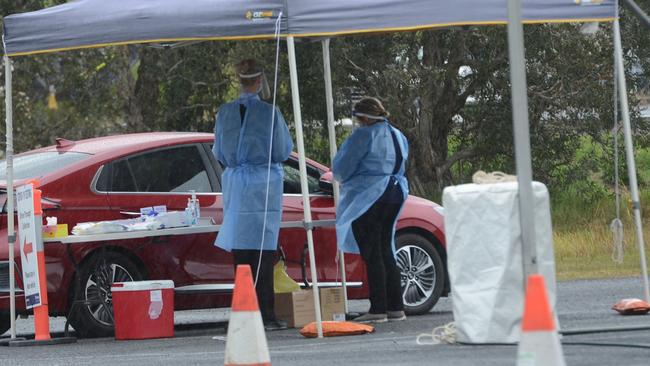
(150, 21)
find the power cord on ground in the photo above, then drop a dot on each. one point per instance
(447, 334)
(607, 344)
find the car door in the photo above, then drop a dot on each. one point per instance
(166, 176)
(293, 240)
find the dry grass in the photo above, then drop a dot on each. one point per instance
(585, 251)
(583, 240)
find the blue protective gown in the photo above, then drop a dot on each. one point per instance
(363, 166)
(242, 146)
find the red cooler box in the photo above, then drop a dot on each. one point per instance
(143, 309)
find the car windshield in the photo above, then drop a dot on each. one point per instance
(38, 164)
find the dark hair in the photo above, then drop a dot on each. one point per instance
(247, 67)
(371, 106)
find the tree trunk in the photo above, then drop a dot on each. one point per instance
(429, 151)
(141, 108)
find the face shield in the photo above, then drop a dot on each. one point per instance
(357, 121)
(264, 91)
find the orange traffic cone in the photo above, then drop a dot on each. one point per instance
(540, 343)
(246, 341)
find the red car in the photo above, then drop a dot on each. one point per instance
(106, 178)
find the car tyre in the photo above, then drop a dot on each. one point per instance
(93, 315)
(422, 273)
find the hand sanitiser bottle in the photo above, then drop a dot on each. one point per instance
(196, 208)
(190, 213)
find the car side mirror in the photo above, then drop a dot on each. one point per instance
(325, 182)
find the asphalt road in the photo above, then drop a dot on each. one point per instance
(200, 339)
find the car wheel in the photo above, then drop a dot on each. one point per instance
(93, 314)
(422, 273)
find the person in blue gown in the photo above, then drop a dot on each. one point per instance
(370, 166)
(251, 142)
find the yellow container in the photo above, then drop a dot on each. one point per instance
(58, 231)
(282, 283)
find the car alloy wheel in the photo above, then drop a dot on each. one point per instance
(418, 275)
(97, 290)
(92, 313)
(422, 272)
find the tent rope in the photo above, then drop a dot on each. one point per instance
(616, 226)
(4, 46)
(268, 171)
(442, 334)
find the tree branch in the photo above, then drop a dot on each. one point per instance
(456, 157)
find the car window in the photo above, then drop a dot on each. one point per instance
(292, 178)
(122, 178)
(39, 164)
(179, 169)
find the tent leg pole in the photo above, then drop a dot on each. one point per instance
(331, 133)
(295, 96)
(11, 235)
(629, 153)
(522, 136)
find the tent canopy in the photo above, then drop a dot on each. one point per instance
(96, 23)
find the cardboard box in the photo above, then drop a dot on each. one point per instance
(331, 304)
(58, 231)
(172, 219)
(297, 308)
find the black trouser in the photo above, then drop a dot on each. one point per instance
(264, 287)
(373, 232)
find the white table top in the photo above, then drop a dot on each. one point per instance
(204, 227)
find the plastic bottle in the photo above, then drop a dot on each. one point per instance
(197, 211)
(190, 213)
(196, 208)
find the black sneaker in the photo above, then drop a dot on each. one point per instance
(396, 315)
(371, 318)
(272, 325)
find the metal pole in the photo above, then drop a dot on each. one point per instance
(331, 133)
(640, 14)
(295, 96)
(11, 235)
(522, 136)
(629, 154)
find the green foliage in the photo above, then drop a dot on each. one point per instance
(86, 96)
(643, 167)
(447, 89)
